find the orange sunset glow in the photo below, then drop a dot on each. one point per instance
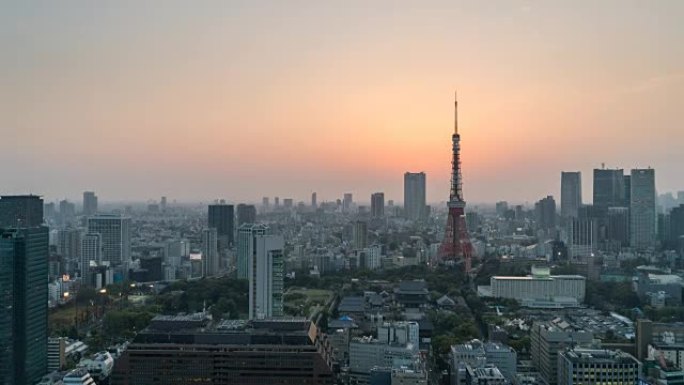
(244, 99)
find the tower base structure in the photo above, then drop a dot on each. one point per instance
(456, 246)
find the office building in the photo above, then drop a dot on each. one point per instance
(400, 332)
(69, 247)
(246, 247)
(642, 208)
(571, 193)
(314, 203)
(414, 195)
(21, 211)
(360, 235)
(367, 353)
(378, 205)
(163, 204)
(285, 352)
(246, 214)
(89, 203)
(210, 254)
(617, 232)
(540, 289)
(347, 202)
(115, 236)
(23, 291)
(266, 274)
(288, 203)
(583, 233)
(597, 367)
(222, 217)
(545, 211)
(91, 251)
(67, 212)
(550, 338)
(609, 189)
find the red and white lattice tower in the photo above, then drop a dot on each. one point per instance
(456, 246)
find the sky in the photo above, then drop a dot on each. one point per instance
(198, 100)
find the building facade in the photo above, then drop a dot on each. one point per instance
(266, 274)
(23, 291)
(642, 208)
(571, 193)
(593, 366)
(414, 195)
(246, 247)
(210, 254)
(222, 218)
(115, 233)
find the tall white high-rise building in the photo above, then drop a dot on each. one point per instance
(245, 246)
(115, 231)
(210, 255)
(642, 208)
(414, 195)
(571, 193)
(266, 273)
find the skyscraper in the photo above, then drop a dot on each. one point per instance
(571, 193)
(360, 234)
(642, 209)
(347, 201)
(221, 218)
(266, 277)
(162, 204)
(545, 211)
(115, 233)
(23, 290)
(414, 195)
(89, 203)
(246, 246)
(21, 211)
(69, 246)
(378, 205)
(245, 214)
(210, 255)
(91, 250)
(609, 189)
(67, 211)
(314, 202)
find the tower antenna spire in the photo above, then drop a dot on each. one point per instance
(455, 112)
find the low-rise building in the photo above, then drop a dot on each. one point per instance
(597, 366)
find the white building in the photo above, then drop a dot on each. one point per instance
(79, 376)
(245, 246)
(540, 289)
(265, 269)
(115, 232)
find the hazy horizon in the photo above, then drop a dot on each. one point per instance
(239, 100)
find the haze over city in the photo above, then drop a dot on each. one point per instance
(244, 99)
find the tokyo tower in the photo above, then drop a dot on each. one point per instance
(456, 246)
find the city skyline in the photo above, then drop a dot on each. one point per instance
(330, 99)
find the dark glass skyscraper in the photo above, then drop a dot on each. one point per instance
(23, 290)
(378, 205)
(246, 214)
(222, 218)
(609, 189)
(21, 211)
